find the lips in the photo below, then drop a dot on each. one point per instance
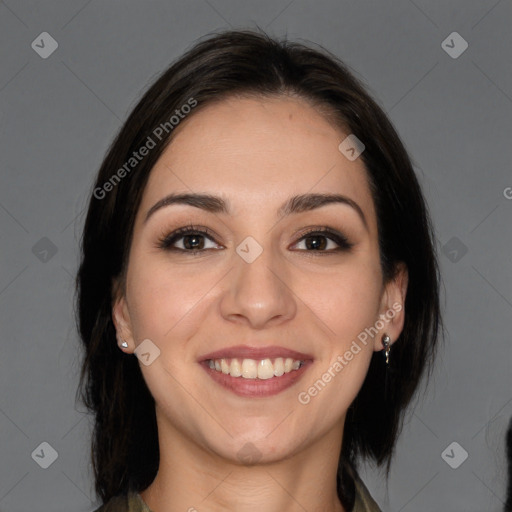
(255, 372)
(257, 353)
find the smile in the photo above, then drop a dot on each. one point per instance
(255, 369)
(255, 372)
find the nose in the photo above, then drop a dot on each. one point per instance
(259, 293)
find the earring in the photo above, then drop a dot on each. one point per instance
(386, 342)
(121, 342)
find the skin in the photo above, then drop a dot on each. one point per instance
(254, 153)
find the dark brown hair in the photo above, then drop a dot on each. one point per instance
(125, 450)
(508, 451)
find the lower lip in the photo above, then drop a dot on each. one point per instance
(256, 388)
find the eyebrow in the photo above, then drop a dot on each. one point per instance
(295, 204)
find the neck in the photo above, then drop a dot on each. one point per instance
(192, 479)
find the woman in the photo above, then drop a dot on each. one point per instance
(257, 239)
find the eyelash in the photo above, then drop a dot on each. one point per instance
(166, 241)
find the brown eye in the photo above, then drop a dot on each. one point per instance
(324, 240)
(188, 239)
(316, 242)
(194, 241)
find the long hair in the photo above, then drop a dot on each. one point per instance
(125, 452)
(508, 451)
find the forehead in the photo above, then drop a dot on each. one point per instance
(257, 152)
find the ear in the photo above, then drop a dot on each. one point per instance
(392, 308)
(121, 317)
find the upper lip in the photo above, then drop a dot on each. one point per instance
(257, 353)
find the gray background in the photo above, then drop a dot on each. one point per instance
(58, 116)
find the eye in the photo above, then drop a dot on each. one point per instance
(324, 240)
(190, 239)
(194, 239)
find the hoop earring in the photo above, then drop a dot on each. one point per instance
(386, 342)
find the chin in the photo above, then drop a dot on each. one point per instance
(259, 449)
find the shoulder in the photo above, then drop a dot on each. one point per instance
(364, 501)
(124, 503)
(115, 504)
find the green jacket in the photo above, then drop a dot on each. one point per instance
(134, 503)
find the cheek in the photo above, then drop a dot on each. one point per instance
(347, 301)
(165, 298)
(348, 304)
(162, 298)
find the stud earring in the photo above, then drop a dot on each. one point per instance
(121, 342)
(386, 342)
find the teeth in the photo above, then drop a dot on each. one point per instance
(235, 370)
(265, 369)
(278, 367)
(254, 369)
(249, 369)
(224, 366)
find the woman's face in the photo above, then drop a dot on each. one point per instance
(264, 284)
